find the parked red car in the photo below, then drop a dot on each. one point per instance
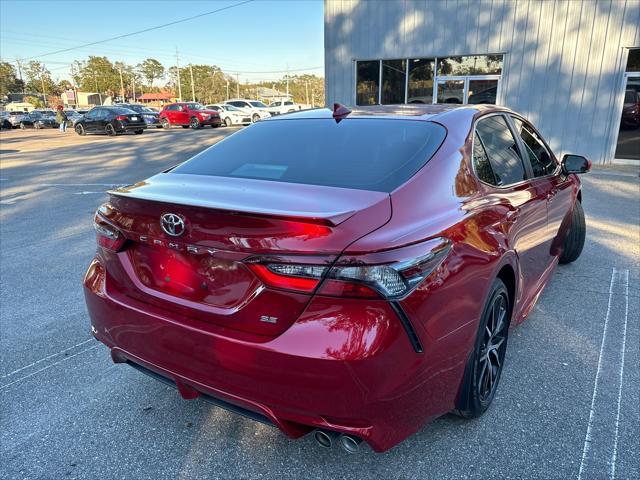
(357, 284)
(188, 114)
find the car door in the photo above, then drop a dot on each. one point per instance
(90, 120)
(181, 115)
(520, 203)
(546, 171)
(102, 117)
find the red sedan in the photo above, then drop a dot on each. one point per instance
(188, 114)
(356, 275)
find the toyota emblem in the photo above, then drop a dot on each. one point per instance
(172, 224)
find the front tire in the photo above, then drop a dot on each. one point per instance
(228, 122)
(194, 123)
(139, 132)
(80, 130)
(255, 118)
(164, 123)
(485, 365)
(574, 241)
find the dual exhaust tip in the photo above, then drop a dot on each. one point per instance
(326, 439)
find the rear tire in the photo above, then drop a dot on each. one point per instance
(574, 241)
(110, 130)
(80, 130)
(139, 132)
(484, 368)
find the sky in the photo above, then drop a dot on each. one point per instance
(260, 40)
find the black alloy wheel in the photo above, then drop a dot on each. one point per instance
(484, 368)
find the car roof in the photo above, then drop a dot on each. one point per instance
(405, 111)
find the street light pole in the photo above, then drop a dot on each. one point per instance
(237, 85)
(44, 92)
(227, 89)
(178, 71)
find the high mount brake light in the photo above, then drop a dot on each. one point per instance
(107, 236)
(395, 275)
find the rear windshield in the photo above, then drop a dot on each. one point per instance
(363, 153)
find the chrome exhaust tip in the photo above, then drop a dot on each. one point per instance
(325, 438)
(349, 443)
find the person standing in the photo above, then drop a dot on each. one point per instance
(61, 118)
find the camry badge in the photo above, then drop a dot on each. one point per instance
(172, 224)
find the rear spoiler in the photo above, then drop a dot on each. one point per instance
(331, 219)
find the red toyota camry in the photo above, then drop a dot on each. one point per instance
(351, 273)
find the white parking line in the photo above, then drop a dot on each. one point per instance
(587, 438)
(48, 366)
(45, 358)
(600, 451)
(614, 455)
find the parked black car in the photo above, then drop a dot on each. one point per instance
(38, 119)
(110, 120)
(151, 117)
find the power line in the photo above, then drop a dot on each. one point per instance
(157, 27)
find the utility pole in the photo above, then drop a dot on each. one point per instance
(121, 86)
(133, 87)
(306, 92)
(227, 89)
(44, 92)
(237, 85)
(75, 88)
(20, 73)
(287, 81)
(178, 71)
(193, 92)
(95, 77)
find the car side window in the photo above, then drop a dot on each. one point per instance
(501, 149)
(91, 115)
(541, 161)
(481, 163)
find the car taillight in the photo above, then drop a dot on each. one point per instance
(391, 274)
(122, 117)
(107, 236)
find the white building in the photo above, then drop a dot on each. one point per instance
(571, 67)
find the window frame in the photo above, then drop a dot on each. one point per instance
(523, 147)
(436, 77)
(518, 140)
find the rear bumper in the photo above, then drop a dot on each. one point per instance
(132, 126)
(340, 367)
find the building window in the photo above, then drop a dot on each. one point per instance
(470, 65)
(420, 89)
(456, 79)
(368, 82)
(394, 76)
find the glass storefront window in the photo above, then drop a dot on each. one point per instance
(450, 91)
(470, 65)
(368, 82)
(394, 75)
(420, 80)
(482, 91)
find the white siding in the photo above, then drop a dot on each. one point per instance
(563, 68)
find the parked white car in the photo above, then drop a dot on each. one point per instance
(16, 117)
(283, 106)
(258, 110)
(231, 115)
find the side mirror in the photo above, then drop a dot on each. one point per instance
(575, 164)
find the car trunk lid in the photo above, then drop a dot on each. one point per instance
(201, 271)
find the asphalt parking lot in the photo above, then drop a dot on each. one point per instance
(567, 406)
